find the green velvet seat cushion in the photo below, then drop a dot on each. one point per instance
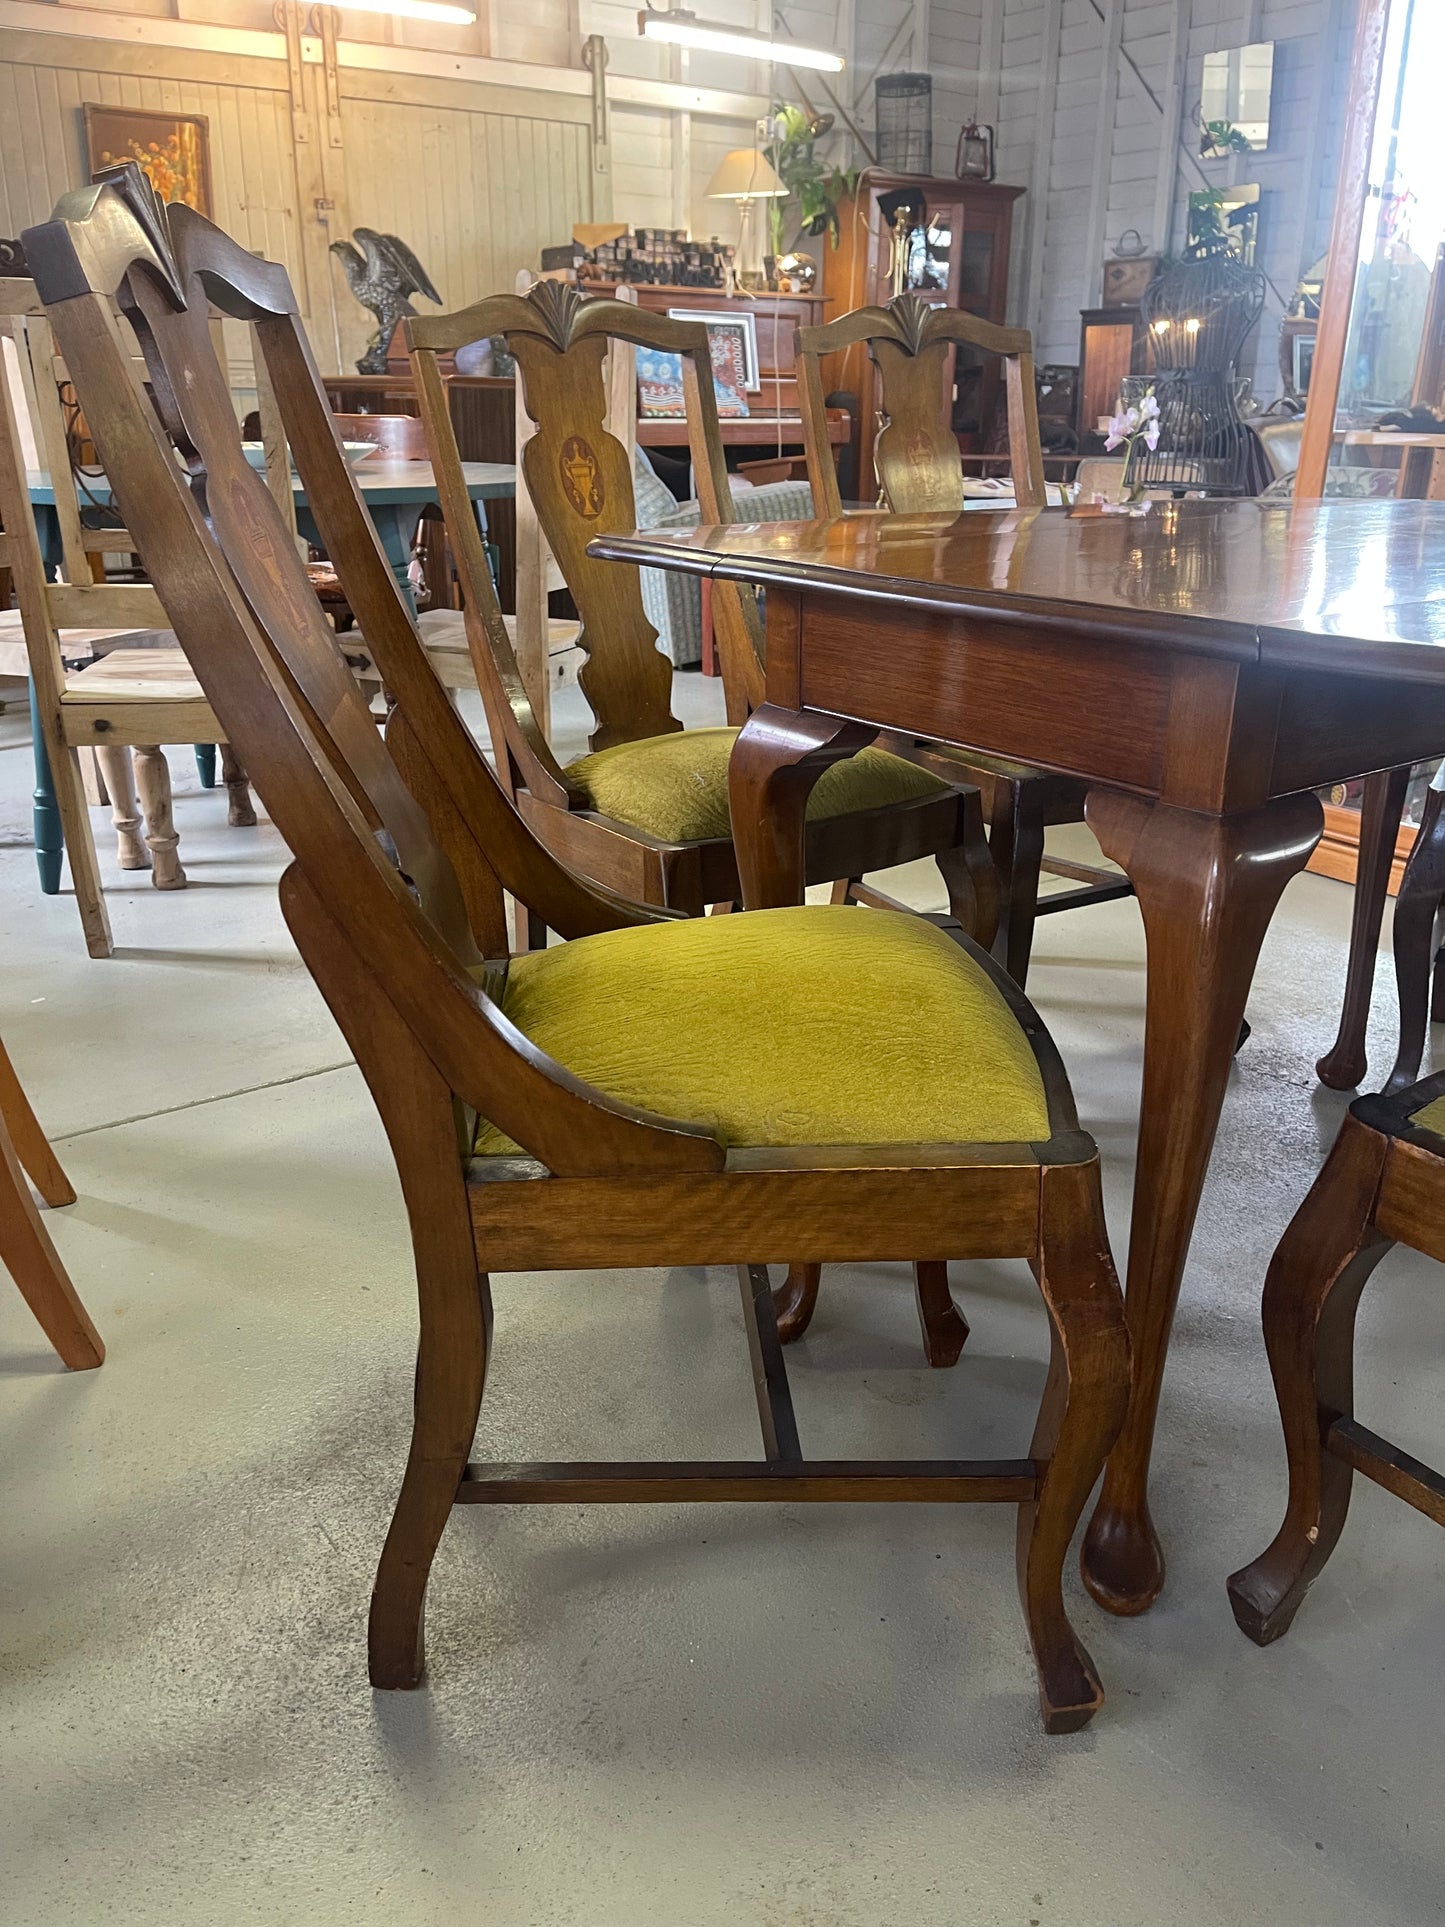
(1432, 1118)
(824, 1025)
(676, 787)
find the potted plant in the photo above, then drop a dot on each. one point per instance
(814, 189)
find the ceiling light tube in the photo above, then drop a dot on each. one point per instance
(682, 29)
(438, 10)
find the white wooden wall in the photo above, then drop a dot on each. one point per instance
(1094, 103)
(479, 162)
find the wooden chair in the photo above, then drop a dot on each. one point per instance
(29, 1256)
(580, 1163)
(645, 812)
(912, 344)
(123, 698)
(1383, 1184)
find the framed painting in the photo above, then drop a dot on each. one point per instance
(734, 339)
(659, 382)
(174, 150)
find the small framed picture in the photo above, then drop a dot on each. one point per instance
(1303, 348)
(659, 381)
(734, 339)
(174, 150)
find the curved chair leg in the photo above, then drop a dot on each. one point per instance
(454, 1300)
(1083, 1407)
(795, 1301)
(945, 1329)
(1016, 840)
(1344, 1064)
(153, 781)
(842, 890)
(240, 810)
(1416, 908)
(1311, 1295)
(970, 876)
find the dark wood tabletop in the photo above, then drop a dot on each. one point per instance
(1357, 586)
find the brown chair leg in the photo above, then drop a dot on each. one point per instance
(80, 848)
(1344, 1064)
(34, 1263)
(945, 1329)
(1416, 908)
(795, 1301)
(153, 781)
(971, 877)
(1082, 1410)
(1310, 1298)
(240, 810)
(119, 780)
(32, 1146)
(456, 1306)
(1016, 841)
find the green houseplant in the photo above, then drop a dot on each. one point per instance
(814, 189)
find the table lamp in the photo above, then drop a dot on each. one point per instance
(746, 176)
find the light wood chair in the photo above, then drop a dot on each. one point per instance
(121, 698)
(578, 1165)
(912, 343)
(1383, 1184)
(645, 812)
(29, 1256)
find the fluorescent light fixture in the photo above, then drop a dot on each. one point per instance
(439, 10)
(682, 29)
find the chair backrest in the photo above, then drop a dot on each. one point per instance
(579, 477)
(379, 918)
(76, 604)
(912, 344)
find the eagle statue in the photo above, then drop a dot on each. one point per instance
(383, 274)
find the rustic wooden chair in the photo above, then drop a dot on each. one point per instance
(655, 1090)
(1383, 1184)
(646, 812)
(912, 344)
(122, 698)
(25, 1247)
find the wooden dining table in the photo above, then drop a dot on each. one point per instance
(1206, 667)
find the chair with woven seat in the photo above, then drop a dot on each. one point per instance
(763, 1152)
(106, 672)
(1383, 1184)
(912, 343)
(645, 811)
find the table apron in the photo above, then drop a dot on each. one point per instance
(1203, 732)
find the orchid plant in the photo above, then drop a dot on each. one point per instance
(1139, 422)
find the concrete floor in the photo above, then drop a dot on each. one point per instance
(796, 1718)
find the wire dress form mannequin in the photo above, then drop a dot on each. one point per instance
(1197, 316)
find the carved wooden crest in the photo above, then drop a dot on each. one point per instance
(557, 304)
(911, 315)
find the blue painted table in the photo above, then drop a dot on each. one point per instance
(394, 493)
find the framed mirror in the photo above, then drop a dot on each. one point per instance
(1234, 101)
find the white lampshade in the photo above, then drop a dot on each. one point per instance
(745, 175)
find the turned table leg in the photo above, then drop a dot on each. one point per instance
(1207, 888)
(1344, 1064)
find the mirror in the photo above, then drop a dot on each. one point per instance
(1234, 102)
(1225, 214)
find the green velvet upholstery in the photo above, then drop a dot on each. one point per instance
(676, 787)
(825, 1025)
(1432, 1118)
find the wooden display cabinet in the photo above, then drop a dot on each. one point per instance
(960, 255)
(1111, 345)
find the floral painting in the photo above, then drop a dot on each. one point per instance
(173, 149)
